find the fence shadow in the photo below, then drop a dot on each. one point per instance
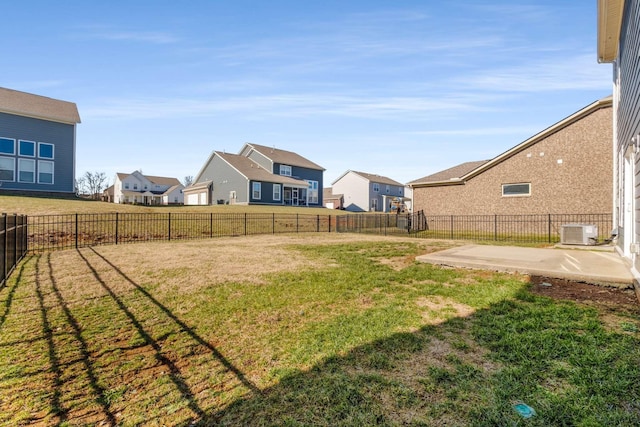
(77, 334)
(8, 302)
(183, 327)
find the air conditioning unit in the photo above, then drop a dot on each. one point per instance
(579, 234)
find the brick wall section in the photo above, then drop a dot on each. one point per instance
(582, 183)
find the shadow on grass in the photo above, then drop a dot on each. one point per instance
(8, 302)
(85, 357)
(181, 325)
(555, 356)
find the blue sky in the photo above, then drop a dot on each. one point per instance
(399, 88)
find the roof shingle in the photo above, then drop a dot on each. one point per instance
(40, 107)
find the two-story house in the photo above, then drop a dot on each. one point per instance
(137, 188)
(37, 143)
(257, 175)
(364, 192)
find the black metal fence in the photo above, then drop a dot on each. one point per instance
(48, 232)
(13, 243)
(544, 228)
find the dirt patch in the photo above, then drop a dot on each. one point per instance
(602, 297)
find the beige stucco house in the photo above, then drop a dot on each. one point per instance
(565, 169)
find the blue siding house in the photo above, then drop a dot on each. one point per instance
(37, 143)
(258, 175)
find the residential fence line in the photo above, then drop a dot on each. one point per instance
(22, 234)
(533, 228)
(72, 231)
(13, 244)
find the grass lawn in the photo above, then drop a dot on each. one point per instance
(51, 206)
(322, 330)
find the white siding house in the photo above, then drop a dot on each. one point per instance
(365, 192)
(137, 188)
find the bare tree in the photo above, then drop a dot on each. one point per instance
(188, 180)
(92, 183)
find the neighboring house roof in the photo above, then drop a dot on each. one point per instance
(483, 166)
(39, 107)
(159, 180)
(171, 189)
(372, 178)
(109, 190)
(283, 156)
(254, 172)
(610, 13)
(327, 194)
(451, 174)
(198, 186)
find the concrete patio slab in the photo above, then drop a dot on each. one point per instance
(590, 266)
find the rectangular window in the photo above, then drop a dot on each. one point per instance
(399, 191)
(45, 172)
(135, 186)
(285, 170)
(26, 170)
(388, 189)
(376, 187)
(520, 189)
(374, 204)
(276, 192)
(7, 146)
(27, 148)
(312, 192)
(126, 185)
(45, 151)
(7, 169)
(257, 191)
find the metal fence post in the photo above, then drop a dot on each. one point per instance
(116, 228)
(549, 227)
(245, 224)
(273, 223)
(211, 225)
(169, 225)
(15, 239)
(495, 227)
(451, 231)
(76, 231)
(4, 247)
(317, 223)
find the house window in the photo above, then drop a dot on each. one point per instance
(400, 191)
(374, 204)
(285, 170)
(45, 151)
(126, 185)
(26, 170)
(276, 192)
(257, 191)
(515, 190)
(27, 148)
(388, 189)
(7, 146)
(135, 185)
(376, 187)
(45, 172)
(7, 169)
(312, 192)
